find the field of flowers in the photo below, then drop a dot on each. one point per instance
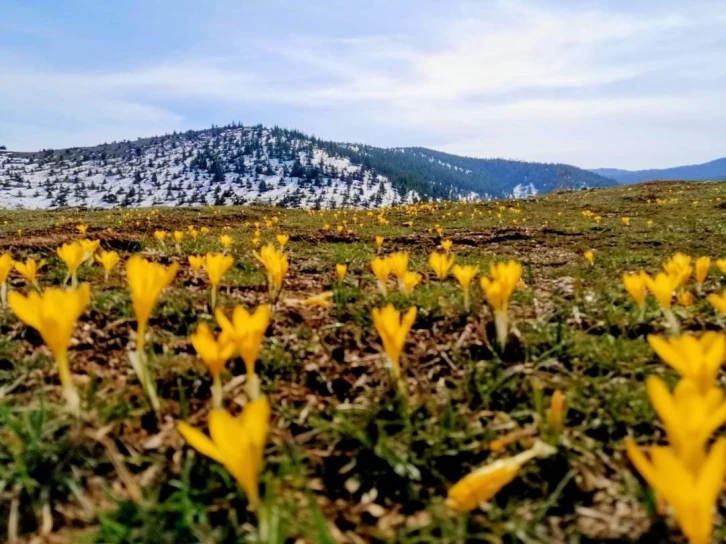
(540, 370)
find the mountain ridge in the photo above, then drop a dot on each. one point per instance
(708, 171)
(239, 164)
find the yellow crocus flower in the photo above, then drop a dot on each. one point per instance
(446, 245)
(556, 412)
(246, 331)
(393, 330)
(625, 220)
(399, 263)
(108, 259)
(178, 236)
(282, 239)
(590, 256)
(465, 275)
(226, 241)
(82, 229)
(196, 262)
(214, 353)
(679, 267)
(381, 267)
(341, 269)
(703, 264)
(662, 288)
(89, 248)
(441, 264)
(236, 442)
(72, 255)
(689, 417)
(276, 266)
(721, 264)
(409, 281)
(6, 265)
(691, 496)
(483, 483)
(54, 315)
(216, 265)
(29, 270)
(498, 290)
(635, 286)
(146, 281)
(718, 301)
(161, 235)
(695, 359)
(685, 298)
(379, 244)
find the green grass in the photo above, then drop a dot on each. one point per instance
(347, 457)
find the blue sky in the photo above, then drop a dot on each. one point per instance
(592, 83)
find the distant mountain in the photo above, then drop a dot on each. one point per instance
(252, 164)
(709, 171)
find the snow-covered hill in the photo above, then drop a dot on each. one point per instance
(247, 165)
(234, 165)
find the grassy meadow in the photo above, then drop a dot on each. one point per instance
(352, 454)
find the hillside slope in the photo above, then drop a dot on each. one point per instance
(242, 165)
(709, 171)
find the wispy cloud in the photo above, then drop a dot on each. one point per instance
(589, 86)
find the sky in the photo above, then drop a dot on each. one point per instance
(606, 83)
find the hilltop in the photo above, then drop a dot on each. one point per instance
(240, 164)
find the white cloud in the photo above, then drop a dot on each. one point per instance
(591, 87)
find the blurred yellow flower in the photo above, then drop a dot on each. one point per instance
(282, 239)
(662, 288)
(214, 353)
(409, 281)
(381, 267)
(246, 331)
(54, 315)
(689, 417)
(107, 259)
(6, 265)
(441, 264)
(718, 301)
(29, 270)
(721, 264)
(696, 359)
(276, 266)
(204, 230)
(483, 483)
(216, 265)
(446, 245)
(82, 228)
(590, 256)
(196, 262)
(625, 220)
(703, 264)
(465, 275)
(89, 248)
(379, 244)
(160, 235)
(692, 497)
(685, 298)
(679, 267)
(556, 413)
(399, 263)
(236, 442)
(226, 241)
(341, 269)
(72, 256)
(323, 300)
(178, 236)
(635, 286)
(393, 330)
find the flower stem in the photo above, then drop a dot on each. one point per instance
(4, 294)
(501, 324)
(216, 391)
(73, 401)
(213, 298)
(672, 321)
